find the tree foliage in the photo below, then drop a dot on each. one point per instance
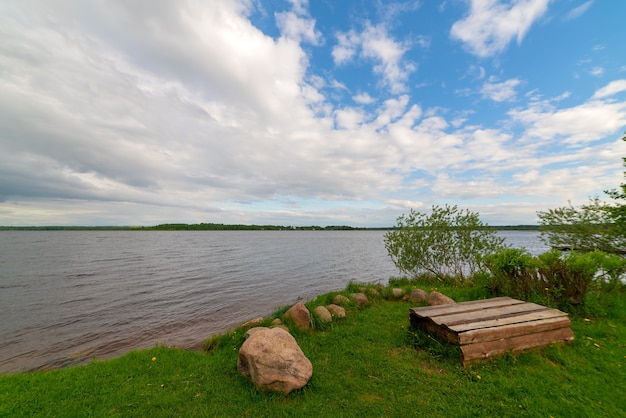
(448, 242)
(597, 225)
(585, 228)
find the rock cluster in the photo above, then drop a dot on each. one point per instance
(271, 357)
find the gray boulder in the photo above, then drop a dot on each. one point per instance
(436, 298)
(300, 315)
(251, 331)
(322, 314)
(374, 293)
(273, 361)
(341, 300)
(336, 310)
(360, 299)
(418, 296)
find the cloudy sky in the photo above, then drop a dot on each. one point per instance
(299, 112)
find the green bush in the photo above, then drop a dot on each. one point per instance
(552, 278)
(611, 270)
(449, 242)
(513, 273)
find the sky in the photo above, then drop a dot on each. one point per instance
(296, 112)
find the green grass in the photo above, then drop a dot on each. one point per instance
(365, 365)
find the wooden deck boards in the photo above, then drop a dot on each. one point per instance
(487, 328)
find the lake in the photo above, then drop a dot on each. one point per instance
(69, 296)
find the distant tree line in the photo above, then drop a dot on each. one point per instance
(230, 227)
(188, 227)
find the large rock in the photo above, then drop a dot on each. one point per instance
(300, 315)
(251, 331)
(418, 296)
(360, 299)
(273, 360)
(322, 314)
(336, 310)
(436, 298)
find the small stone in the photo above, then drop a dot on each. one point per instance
(418, 296)
(436, 298)
(323, 314)
(360, 299)
(277, 321)
(374, 293)
(336, 310)
(341, 300)
(397, 293)
(300, 315)
(253, 322)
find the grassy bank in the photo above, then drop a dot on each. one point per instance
(368, 364)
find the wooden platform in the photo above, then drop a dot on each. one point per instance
(491, 327)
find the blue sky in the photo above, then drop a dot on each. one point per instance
(299, 113)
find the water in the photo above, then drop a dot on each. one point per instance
(67, 296)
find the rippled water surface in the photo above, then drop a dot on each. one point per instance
(67, 296)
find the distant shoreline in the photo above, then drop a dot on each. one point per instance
(229, 227)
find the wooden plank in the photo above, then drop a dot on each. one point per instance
(512, 330)
(441, 332)
(464, 306)
(522, 317)
(487, 314)
(486, 350)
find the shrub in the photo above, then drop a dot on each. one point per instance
(447, 243)
(552, 278)
(513, 273)
(611, 270)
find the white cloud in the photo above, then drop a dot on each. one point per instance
(587, 122)
(363, 98)
(500, 92)
(597, 71)
(346, 48)
(298, 28)
(423, 41)
(405, 204)
(447, 187)
(126, 121)
(300, 6)
(614, 87)
(578, 11)
(193, 114)
(349, 118)
(491, 24)
(376, 44)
